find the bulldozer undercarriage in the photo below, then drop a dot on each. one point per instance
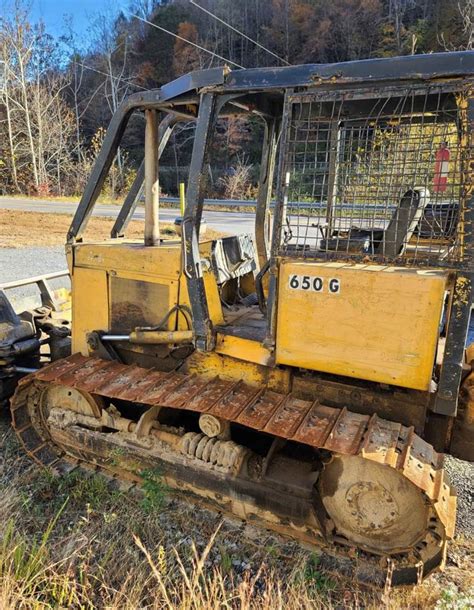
(369, 492)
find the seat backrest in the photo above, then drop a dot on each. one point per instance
(232, 257)
(404, 221)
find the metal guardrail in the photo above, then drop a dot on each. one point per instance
(251, 203)
(318, 205)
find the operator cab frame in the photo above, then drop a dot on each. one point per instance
(272, 94)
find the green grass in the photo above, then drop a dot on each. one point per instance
(154, 491)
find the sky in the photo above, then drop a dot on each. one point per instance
(53, 13)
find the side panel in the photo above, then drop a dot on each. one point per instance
(129, 257)
(119, 285)
(139, 300)
(90, 309)
(364, 321)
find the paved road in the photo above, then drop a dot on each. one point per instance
(229, 222)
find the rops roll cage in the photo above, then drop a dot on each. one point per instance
(203, 96)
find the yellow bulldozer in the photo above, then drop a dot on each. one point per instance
(307, 377)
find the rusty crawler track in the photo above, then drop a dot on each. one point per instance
(284, 416)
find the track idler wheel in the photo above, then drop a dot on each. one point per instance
(373, 505)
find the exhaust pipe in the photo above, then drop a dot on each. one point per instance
(152, 184)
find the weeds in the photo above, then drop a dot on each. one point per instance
(154, 491)
(115, 456)
(27, 569)
(84, 491)
(226, 561)
(25, 560)
(452, 599)
(313, 577)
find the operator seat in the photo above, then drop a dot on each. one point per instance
(391, 241)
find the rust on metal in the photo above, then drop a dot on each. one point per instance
(139, 389)
(288, 416)
(110, 384)
(317, 425)
(80, 374)
(258, 412)
(320, 426)
(52, 371)
(346, 435)
(158, 394)
(100, 377)
(214, 390)
(381, 442)
(232, 403)
(182, 394)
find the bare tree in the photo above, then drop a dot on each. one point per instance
(236, 184)
(397, 12)
(466, 10)
(8, 113)
(37, 117)
(77, 76)
(112, 46)
(18, 40)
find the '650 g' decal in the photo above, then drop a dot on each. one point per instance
(315, 284)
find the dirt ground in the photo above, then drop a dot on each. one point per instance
(19, 229)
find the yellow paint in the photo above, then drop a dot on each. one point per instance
(63, 300)
(212, 294)
(469, 355)
(243, 349)
(212, 364)
(182, 198)
(213, 299)
(89, 306)
(97, 266)
(212, 291)
(382, 325)
(132, 257)
(247, 284)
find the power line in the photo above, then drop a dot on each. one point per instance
(124, 80)
(158, 27)
(201, 8)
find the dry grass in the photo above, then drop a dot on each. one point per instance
(77, 542)
(19, 229)
(63, 198)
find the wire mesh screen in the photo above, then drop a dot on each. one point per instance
(374, 178)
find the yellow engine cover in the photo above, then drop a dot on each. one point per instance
(365, 321)
(118, 285)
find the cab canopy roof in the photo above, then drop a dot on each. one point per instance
(408, 68)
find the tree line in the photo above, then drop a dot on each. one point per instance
(59, 93)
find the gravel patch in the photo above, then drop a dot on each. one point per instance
(461, 475)
(20, 263)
